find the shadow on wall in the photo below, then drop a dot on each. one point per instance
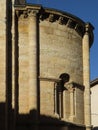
(30, 122)
(43, 122)
(95, 128)
(6, 117)
(2, 116)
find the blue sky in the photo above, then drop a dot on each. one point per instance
(87, 10)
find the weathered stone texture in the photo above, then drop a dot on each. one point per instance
(23, 66)
(2, 50)
(79, 99)
(47, 98)
(43, 44)
(60, 51)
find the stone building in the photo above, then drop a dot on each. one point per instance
(94, 106)
(44, 70)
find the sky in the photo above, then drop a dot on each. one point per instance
(87, 10)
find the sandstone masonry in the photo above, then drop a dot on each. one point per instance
(44, 69)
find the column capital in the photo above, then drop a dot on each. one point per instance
(70, 87)
(88, 27)
(32, 13)
(27, 13)
(88, 30)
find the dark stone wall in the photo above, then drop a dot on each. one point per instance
(20, 2)
(2, 116)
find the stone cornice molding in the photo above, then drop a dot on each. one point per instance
(72, 85)
(94, 82)
(55, 80)
(69, 85)
(52, 17)
(62, 18)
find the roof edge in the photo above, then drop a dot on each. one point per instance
(72, 17)
(94, 82)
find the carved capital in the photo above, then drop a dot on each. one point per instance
(70, 87)
(21, 13)
(89, 31)
(88, 27)
(73, 85)
(54, 16)
(32, 13)
(26, 13)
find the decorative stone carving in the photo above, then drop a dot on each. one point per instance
(32, 13)
(27, 13)
(73, 85)
(88, 29)
(53, 16)
(70, 87)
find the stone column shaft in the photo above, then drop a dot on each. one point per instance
(55, 99)
(33, 61)
(86, 80)
(60, 104)
(13, 64)
(72, 103)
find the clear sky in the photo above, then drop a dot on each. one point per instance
(87, 10)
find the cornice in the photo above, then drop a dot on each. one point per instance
(55, 80)
(94, 82)
(74, 85)
(52, 15)
(67, 85)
